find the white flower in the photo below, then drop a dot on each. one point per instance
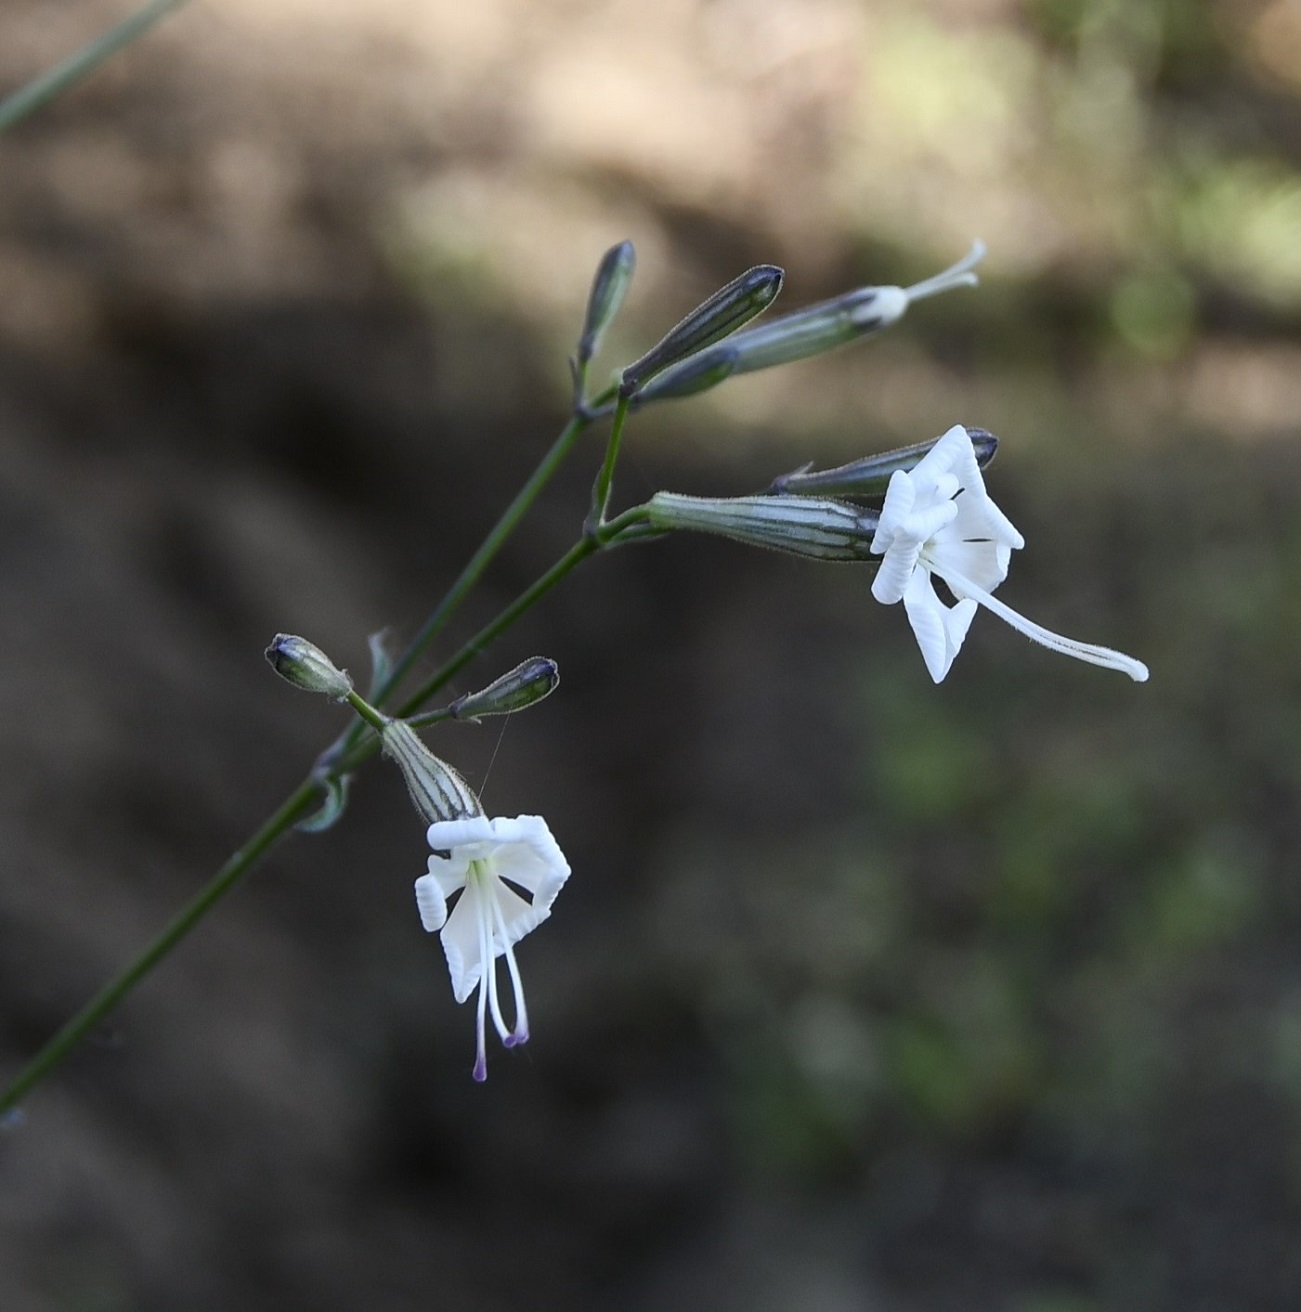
(508, 873)
(938, 519)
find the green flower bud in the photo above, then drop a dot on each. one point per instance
(439, 793)
(820, 529)
(306, 666)
(609, 287)
(722, 314)
(704, 370)
(527, 683)
(870, 476)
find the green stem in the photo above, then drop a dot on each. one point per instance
(297, 805)
(627, 527)
(606, 536)
(605, 479)
(490, 546)
(465, 581)
(67, 74)
(366, 711)
(577, 553)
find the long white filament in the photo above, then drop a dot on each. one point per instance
(1082, 651)
(956, 275)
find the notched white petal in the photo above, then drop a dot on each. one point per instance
(446, 835)
(939, 629)
(431, 903)
(461, 945)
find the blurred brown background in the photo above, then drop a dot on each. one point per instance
(864, 994)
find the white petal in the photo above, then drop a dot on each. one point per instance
(895, 572)
(983, 562)
(957, 621)
(939, 629)
(530, 857)
(926, 615)
(518, 915)
(979, 517)
(899, 497)
(928, 520)
(461, 944)
(943, 456)
(431, 902)
(448, 871)
(447, 835)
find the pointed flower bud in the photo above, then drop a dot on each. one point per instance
(439, 793)
(821, 327)
(527, 683)
(609, 287)
(870, 476)
(306, 666)
(728, 309)
(704, 370)
(803, 526)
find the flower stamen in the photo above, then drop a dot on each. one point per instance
(1089, 652)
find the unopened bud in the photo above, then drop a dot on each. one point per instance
(870, 476)
(609, 287)
(306, 666)
(728, 309)
(527, 683)
(439, 793)
(704, 370)
(820, 529)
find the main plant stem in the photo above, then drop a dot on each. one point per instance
(291, 810)
(66, 74)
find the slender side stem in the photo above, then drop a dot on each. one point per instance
(627, 527)
(366, 711)
(605, 479)
(490, 546)
(295, 806)
(464, 582)
(607, 535)
(577, 553)
(55, 81)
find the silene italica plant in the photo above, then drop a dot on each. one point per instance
(909, 517)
